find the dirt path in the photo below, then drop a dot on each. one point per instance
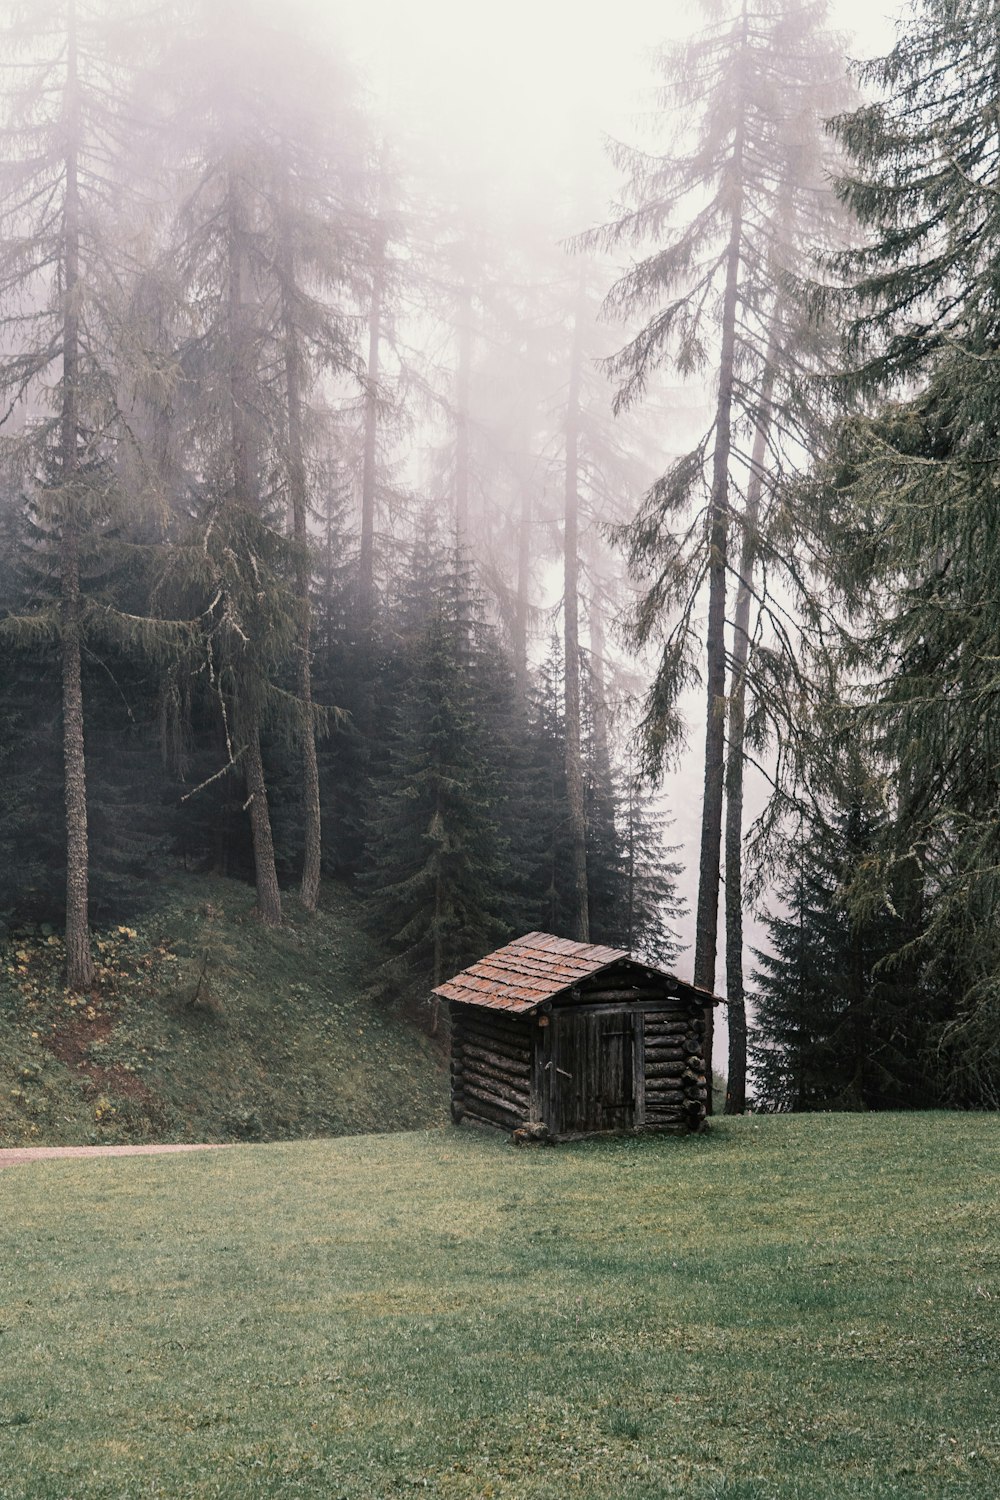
(14, 1156)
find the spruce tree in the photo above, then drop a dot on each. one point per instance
(545, 850)
(269, 250)
(905, 513)
(837, 1024)
(748, 81)
(438, 872)
(64, 262)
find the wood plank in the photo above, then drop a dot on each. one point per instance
(592, 1070)
(662, 1075)
(485, 1022)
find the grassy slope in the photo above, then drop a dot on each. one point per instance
(788, 1309)
(279, 1043)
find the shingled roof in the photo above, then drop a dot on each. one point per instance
(531, 970)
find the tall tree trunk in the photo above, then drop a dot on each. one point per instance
(268, 894)
(297, 489)
(602, 746)
(462, 385)
(520, 641)
(369, 471)
(736, 1077)
(630, 870)
(245, 497)
(579, 915)
(438, 975)
(79, 959)
(709, 863)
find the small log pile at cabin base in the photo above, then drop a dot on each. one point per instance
(553, 1039)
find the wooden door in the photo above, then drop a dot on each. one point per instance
(592, 1069)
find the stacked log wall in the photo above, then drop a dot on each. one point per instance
(491, 1065)
(676, 1086)
(672, 1085)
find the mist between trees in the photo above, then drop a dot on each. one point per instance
(351, 530)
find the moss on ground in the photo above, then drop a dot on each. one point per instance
(205, 1026)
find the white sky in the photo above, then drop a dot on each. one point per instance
(513, 91)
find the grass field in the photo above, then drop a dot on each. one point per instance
(790, 1307)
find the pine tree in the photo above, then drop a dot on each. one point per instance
(544, 850)
(650, 903)
(905, 514)
(319, 250)
(438, 872)
(747, 79)
(837, 1025)
(268, 251)
(580, 927)
(64, 261)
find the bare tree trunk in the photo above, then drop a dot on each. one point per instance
(630, 879)
(709, 865)
(602, 747)
(79, 959)
(297, 489)
(268, 894)
(520, 641)
(370, 466)
(245, 497)
(580, 903)
(736, 1077)
(462, 384)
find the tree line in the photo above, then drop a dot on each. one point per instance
(240, 626)
(293, 456)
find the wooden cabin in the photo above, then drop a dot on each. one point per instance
(558, 1039)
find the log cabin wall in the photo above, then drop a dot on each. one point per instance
(491, 1066)
(675, 1083)
(670, 1088)
(621, 1050)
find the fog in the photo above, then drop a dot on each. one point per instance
(315, 288)
(517, 105)
(515, 99)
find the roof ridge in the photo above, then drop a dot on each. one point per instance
(526, 972)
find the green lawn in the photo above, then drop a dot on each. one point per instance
(796, 1307)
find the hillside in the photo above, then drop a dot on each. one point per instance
(207, 1026)
(790, 1308)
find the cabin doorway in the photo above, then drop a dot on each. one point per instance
(592, 1071)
